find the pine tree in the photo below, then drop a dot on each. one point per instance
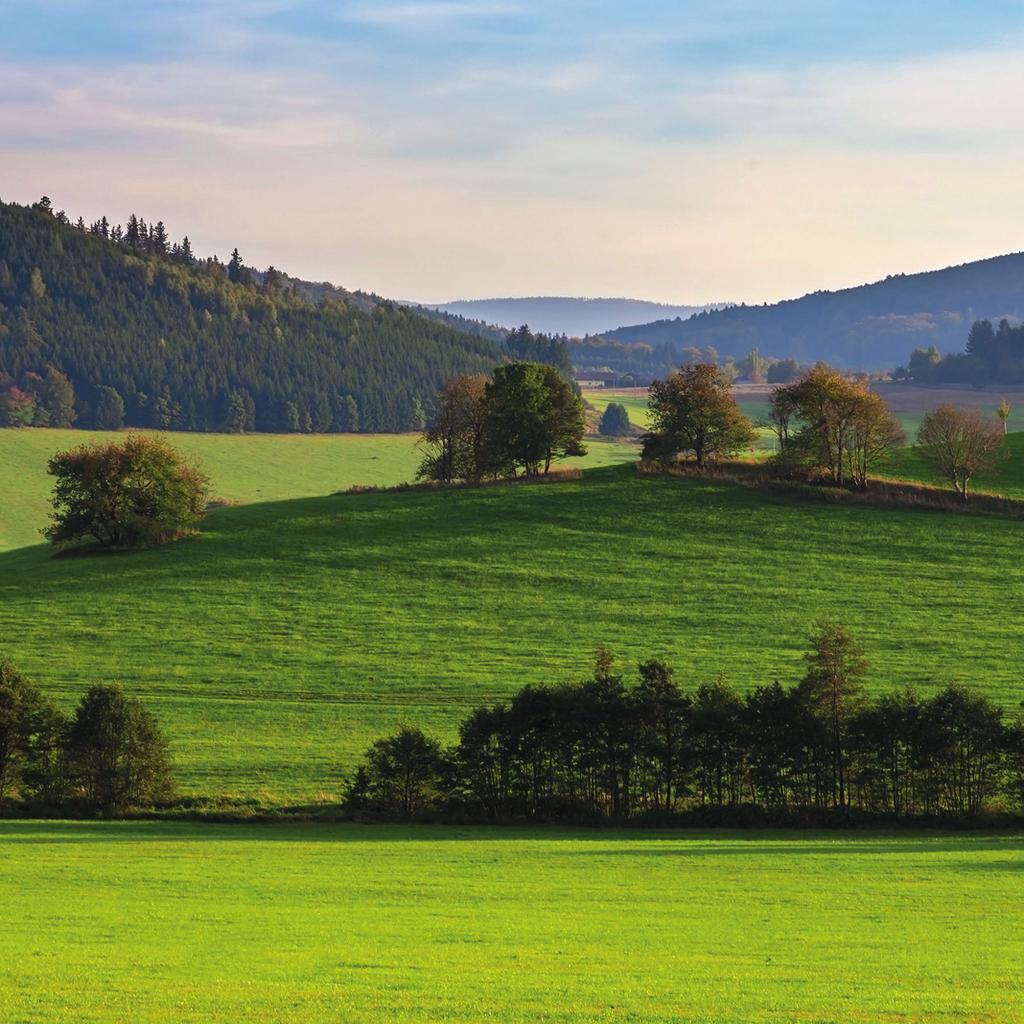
(158, 239)
(236, 269)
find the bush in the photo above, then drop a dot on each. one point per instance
(132, 493)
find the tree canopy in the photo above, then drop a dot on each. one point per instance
(831, 427)
(614, 421)
(960, 443)
(693, 413)
(134, 492)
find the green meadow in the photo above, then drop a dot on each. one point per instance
(178, 923)
(242, 468)
(1006, 479)
(280, 641)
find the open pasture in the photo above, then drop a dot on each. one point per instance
(178, 923)
(242, 467)
(280, 641)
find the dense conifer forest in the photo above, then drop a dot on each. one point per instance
(104, 326)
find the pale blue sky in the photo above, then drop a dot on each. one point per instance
(677, 151)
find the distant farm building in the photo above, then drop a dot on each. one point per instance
(596, 379)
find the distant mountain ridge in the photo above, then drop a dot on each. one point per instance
(575, 317)
(870, 326)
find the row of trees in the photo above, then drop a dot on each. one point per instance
(521, 419)
(108, 756)
(604, 748)
(828, 428)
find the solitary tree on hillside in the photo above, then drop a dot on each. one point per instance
(694, 413)
(1003, 412)
(960, 443)
(135, 492)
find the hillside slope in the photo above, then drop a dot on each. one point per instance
(189, 344)
(286, 636)
(866, 327)
(243, 468)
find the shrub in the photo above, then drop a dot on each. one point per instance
(131, 493)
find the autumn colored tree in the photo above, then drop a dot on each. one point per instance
(960, 443)
(128, 493)
(453, 443)
(1003, 412)
(693, 413)
(830, 427)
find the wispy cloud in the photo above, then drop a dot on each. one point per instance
(475, 147)
(417, 17)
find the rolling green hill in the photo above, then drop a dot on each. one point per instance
(1007, 479)
(242, 467)
(284, 637)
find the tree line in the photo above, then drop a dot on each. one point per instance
(107, 757)
(828, 428)
(821, 749)
(992, 355)
(136, 330)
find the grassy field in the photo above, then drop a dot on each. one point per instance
(182, 924)
(243, 468)
(1007, 479)
(276, 644)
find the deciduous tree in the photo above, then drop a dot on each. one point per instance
(134, 492)
(693, 413)
(960, 443)
(118, 756)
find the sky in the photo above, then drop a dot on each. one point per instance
(676, 151)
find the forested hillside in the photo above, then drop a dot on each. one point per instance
(872, 326)
(102, 326)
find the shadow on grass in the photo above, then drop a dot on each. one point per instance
(622, 843)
